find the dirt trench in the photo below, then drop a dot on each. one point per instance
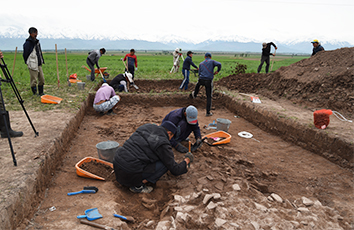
(268, 164)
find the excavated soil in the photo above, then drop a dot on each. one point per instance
(290, 175)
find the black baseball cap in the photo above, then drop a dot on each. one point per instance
(189, 52)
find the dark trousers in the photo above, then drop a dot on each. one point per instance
(185, 81)
(266, 60)
(131, 70)
(92, 68)
(160, 170)
(208, 84)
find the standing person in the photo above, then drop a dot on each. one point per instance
(119, 82)
(265, 55)
(186, 69)
(206, 76)
(33, 57)
(176, 59)
(316, 47)
(185, 119)
(92, 60)
(132, 62)
(7, 118)
(146, 156)
(105, 100)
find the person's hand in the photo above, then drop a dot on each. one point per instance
(216, 72)
(197, 145)
(180, 148)
(121, 59)
(1, 55)
(136, 68)
(276, 48)
(190, 156)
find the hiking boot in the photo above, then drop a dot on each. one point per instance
(141, 189)
(209, 114)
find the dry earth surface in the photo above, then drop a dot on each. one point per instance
(269, 182)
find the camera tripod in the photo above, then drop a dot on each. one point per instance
(9, 79)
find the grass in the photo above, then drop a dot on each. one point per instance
(151, 65)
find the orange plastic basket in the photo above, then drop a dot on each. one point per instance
(219, 134)
(74, 80)
(50, 99)
(84, 173)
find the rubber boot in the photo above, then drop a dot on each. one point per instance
(34, 90)
(40, 90)
(3, 128)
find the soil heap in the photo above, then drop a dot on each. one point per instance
(324, 80)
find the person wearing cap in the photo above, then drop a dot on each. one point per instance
(176, 59)
(265, 55)
(186, 69)
(119, 82)
(105, 100)
(146, 156)
(185, 119)
(206, 76)
(92, 60)
(33, 57)
(132, 62)
(316, 47)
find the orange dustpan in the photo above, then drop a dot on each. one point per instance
(50, 99)
(219, 134)
(84, 173)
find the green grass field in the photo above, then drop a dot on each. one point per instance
(151, 65)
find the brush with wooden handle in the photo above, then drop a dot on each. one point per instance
(101, 226)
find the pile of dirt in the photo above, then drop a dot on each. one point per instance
(325, 80)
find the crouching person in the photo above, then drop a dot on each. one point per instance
(146, 156)
(105, 100)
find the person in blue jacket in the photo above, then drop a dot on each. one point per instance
(185, 119)
(186, 69)
(206, 76)
(316, 47)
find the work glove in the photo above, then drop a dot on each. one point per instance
(197, 145)
(121, 59)
(190, 156)
(180, 148)
(136, 68)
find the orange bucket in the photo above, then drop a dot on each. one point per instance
(219, 134)
(50, 99)
(84, 173)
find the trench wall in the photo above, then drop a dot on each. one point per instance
(26, 202)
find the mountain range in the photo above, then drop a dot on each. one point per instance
(298, 47)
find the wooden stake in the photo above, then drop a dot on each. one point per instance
(13, 67)
(56, 57)
(67, 72)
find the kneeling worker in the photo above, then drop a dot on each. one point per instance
(146, 156)
(119, 82)
(185, 119)
(105, 100)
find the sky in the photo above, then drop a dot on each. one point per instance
(286, 21)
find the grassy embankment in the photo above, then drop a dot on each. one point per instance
(151, 65)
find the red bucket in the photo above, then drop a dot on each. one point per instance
(321, 118)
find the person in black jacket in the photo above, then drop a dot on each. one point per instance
(186, 69)
(146, 156)
(33, 57)
(265, 55)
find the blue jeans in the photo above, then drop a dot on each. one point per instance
(160, 170)
(185, 81)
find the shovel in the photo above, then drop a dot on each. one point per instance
(91, 214)
(104, 79)
(88, 189)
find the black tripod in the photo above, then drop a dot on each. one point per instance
(9, 79)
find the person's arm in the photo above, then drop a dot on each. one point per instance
(136, 62)
(217, 64)
(196, 131)
(1, 55)
(125, 57)
(165, 153)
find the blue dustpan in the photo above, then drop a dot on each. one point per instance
(91, 214)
